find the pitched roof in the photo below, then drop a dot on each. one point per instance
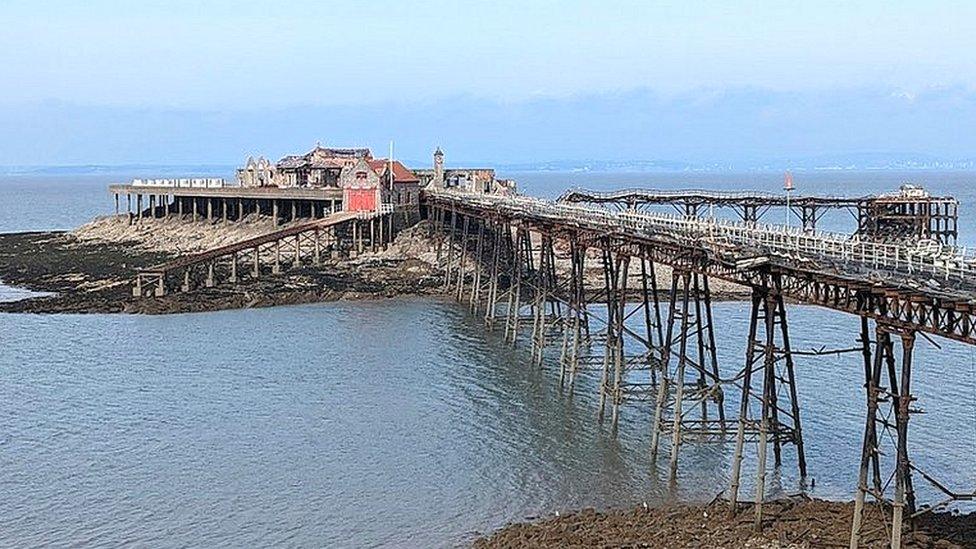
(401, 174)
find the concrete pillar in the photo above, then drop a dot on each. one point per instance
(209, 209)
(161, 286)
(233, 268)
(240, 209)
(137, 288)
(223, 203)
(274, 211)
(257, 264)
(139, 207)
(179, 206)
(116, 203)
(186, 280)
(194, 208)
(276, 268)
(332, 206)
(209, 281)
(257, 207)
(294, 210)
(166, 206)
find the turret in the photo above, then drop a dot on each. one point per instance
(438, 180)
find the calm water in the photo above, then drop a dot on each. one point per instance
(392, 423)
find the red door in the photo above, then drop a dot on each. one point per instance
(360, 200)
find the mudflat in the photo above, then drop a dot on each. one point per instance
(93, 273)
(798, 522)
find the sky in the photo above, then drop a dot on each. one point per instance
(500, 81)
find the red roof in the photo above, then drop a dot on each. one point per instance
(401, 174)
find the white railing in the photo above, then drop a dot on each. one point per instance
(921, 257)
(198, 182)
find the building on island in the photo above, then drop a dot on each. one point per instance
(365, 181)
(477, 180)
(320, 167)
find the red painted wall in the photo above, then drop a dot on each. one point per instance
(360, 200)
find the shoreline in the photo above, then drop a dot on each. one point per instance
(788, 522)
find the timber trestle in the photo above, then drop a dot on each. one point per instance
(581, 286)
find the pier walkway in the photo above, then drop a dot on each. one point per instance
(306, 242)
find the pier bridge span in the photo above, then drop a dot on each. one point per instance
(908, 213)
(522, 263)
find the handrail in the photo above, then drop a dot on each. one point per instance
(922, 256)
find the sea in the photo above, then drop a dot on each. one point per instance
(396, 422)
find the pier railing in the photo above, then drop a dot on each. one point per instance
(922, 257)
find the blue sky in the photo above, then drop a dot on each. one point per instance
(93, 81)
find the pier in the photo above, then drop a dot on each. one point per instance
(908, 213)
(501, 256)
(343, 234)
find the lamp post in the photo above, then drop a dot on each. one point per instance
(788, 187)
